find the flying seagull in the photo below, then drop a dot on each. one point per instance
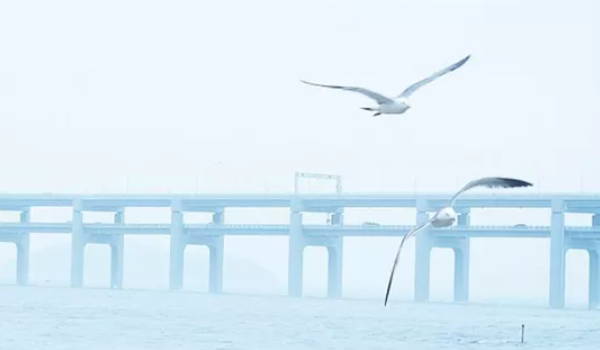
(393, 105)
(447, 216)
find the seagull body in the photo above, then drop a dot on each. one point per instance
(396, 106)
(393, 105)
(446, 216)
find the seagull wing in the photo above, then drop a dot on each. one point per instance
(409, 90)
(371, 94)
(491, 182)
(409, 234)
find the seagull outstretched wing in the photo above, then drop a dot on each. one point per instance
(491, 182)
(409, 90)
(409, 234)
(371, 94)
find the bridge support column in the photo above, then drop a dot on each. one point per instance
(337, 218)
(594, 271)
(557, 255)
(116, 254)
(334, 281)
(594, 278)
(461, 262)
(296, 252)
(215, 283)
(78, 242)
(335, 254)
(423, 245)
(464, 218)
(177, 246)
(596, 220)
(461, 271)
(23, 252)
(216, 266)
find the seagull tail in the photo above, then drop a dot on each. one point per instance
(371, 109)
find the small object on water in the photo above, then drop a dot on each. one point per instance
(522, 333)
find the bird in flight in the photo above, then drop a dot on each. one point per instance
(447, 216)
(397, 104)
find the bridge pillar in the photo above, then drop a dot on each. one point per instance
(557, 255)
(334, 281)
(596, 220)
(23, 252)
(461, 271)
(296, 251)
(78, 242)
(177, 246)
(116, 254)
(335, 252)
(594, 278)
(464, 218)
(461, 262)
(216, 248)
(216, 265)
(337, 218)
(423, 247)
(594, 271)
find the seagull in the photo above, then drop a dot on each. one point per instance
(447, 216)
(393, 105)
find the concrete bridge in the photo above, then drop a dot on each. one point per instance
(301, 235)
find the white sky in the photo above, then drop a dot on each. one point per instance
(186, 96)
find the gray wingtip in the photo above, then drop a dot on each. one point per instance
(311, 83)
(461, 62)
(516, 182)
(322, 85)
(387, 293)
(506, 182)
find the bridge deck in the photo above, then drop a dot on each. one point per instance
(311, 230)
(108, 202)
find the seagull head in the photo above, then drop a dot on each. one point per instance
(404, 101)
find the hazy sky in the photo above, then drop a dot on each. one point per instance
(185, 96)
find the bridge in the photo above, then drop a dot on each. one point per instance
(562, 238)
